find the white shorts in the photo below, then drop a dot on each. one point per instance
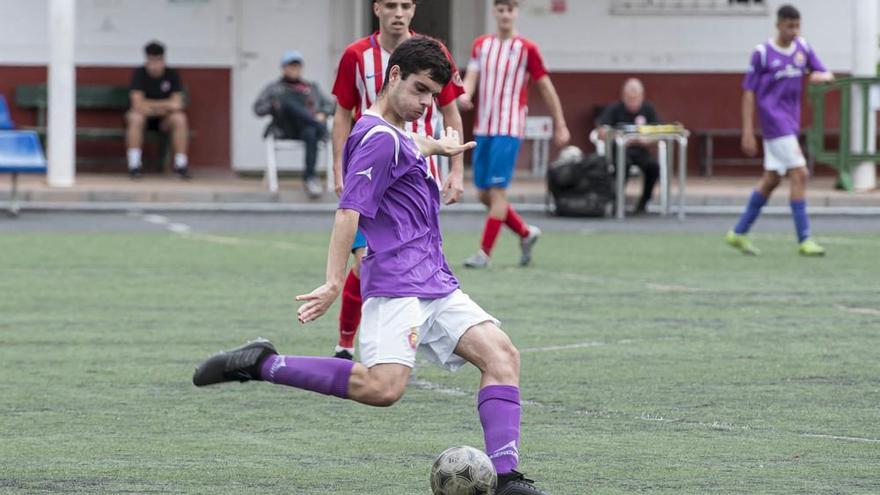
(394, 328)
(782, 154)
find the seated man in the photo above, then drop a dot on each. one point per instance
(156, 104)
(633, 109)
(299, 111)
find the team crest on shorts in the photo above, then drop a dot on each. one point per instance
(413, 338)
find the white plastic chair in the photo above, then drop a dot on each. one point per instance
(296, 151)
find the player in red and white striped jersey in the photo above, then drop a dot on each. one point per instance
(359, 79)
(504, 63)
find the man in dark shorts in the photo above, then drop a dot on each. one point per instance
(156, 104)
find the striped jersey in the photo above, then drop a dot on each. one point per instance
(360, 77)
(502, 93)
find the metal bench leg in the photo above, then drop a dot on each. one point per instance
(271, 165)
(14, 206)
(663, 160)
(682, 174)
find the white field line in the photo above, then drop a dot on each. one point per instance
(155, 219)
(579, 345)
(457, 392)
(670, 288)
(844, 241)
(238, 241)
(603, 280)
(839, 437)
(186, 231)
(859, 311)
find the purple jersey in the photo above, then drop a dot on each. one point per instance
(776, 76)
(388, 182)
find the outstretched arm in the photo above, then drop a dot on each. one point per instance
(561, 136)
(342, 120)
(319, 300)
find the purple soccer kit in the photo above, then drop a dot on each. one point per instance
(776, 76)
(388, 182)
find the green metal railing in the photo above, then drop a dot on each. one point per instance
(844, 157)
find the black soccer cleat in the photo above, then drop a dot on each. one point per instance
(240, 364)
(344, 354)
(514, 483)
(136, 173)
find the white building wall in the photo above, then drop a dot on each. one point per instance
(588, 38)
(199, 33)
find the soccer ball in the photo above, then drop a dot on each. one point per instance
(463, 471)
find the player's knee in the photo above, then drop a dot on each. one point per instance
(134, 119)
(503, 364)
(178, 120)
(388, 396)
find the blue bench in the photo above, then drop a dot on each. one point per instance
(5, 119)
(20, 153)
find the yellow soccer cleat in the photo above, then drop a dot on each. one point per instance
(742, 242)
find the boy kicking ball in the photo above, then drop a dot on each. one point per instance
(411, 298)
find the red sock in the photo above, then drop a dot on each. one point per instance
(490, 233)
(516, 223)
(350, 314)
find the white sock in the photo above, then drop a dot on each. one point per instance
(134, 158)
(180, 160)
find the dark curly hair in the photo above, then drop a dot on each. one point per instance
(787, 12)
(421, 53)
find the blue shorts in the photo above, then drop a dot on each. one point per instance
(359, 241)
(494, 161)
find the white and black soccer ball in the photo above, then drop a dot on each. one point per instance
(463, 471)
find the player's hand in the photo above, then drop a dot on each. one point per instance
(465, 102)
(338, 182)
(749, 144)
(317, 303)
(453, 187)
(449, 143)
(821, 77)
(561, 136)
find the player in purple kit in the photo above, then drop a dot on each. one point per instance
(775, 80)
(412, 301)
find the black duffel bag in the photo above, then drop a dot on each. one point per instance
(584, 188)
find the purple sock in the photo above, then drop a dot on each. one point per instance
(499, 413)
(753, 209)
(325, 375)
(801, 221)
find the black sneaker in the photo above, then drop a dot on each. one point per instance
(183, 173)
(514, 483)
(240, 364)
(344, 354)
(136, 173)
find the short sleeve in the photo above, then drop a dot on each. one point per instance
(369, 171)
(474, 62)
(454, 88)
(813, 62)
(535, 63)
(753, 76)
(176, 83)
(137, 80)
(345, 88)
